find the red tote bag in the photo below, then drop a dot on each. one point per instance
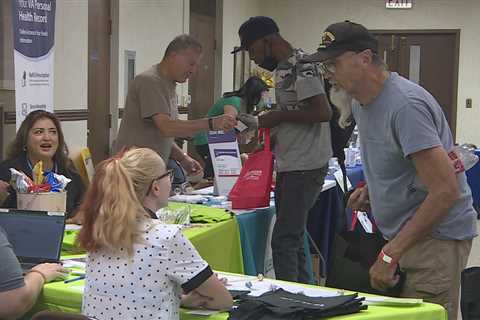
(253, 186)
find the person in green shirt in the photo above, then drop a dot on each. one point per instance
(232, 103)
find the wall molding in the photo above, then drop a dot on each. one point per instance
(64, 115)
(71, 114)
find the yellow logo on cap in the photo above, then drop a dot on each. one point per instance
(327, 39)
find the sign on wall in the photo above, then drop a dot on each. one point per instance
(33, 33)
(398, 4)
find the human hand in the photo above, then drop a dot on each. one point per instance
(51, 271)
(76, 219)
(359, 199)
(224, 122)
(382, 275)
(4, 191)
(191, 166)
(223, 280)
(250, 121)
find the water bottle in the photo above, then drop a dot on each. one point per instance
(351, 156)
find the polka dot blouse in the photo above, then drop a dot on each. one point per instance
(147, 285)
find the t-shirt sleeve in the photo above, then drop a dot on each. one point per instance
(189, 269)
(11, 276)
(415, 128)
(151, 97)
(308, 82)
(232, 101)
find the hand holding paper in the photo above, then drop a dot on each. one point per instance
(250, 121)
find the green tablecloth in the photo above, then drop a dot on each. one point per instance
(425, 311)
(68, 297)
(217, 243)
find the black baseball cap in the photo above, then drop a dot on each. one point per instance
(341, 37)
(253, 29)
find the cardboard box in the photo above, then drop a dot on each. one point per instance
(43, 201)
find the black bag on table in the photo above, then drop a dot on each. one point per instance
(470, 297)
(281, 304)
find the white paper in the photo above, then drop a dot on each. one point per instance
(392, 301)
(328, 184)
(339, 177)
(205, 191)
(72, 227)
(202, 312)
(257, 287)
(365, 221)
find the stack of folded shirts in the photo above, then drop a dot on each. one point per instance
(281, 304)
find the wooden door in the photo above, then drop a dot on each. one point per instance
(201, 86)
(429, 58)
(99, 79)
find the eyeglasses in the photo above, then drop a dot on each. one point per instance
(328, 67)
(169, 174)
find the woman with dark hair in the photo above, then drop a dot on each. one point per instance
(243, 100)
(40, 138)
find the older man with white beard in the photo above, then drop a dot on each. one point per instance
(417, 187)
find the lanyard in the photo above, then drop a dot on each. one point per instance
(31, 167)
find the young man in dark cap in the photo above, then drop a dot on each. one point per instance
(301, 138)
(417, 188)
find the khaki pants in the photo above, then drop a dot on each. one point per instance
(433, 269)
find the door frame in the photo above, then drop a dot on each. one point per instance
(456, 34)
(98, 91)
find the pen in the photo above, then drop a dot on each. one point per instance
(74, 279)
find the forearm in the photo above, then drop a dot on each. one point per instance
(177, 153)
(34, 284)
(15, 303)
(197, 300)
(433, 209)
(193, 301)
(182, 128)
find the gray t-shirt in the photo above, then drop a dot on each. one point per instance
(404, 119)
(148, 94)
(11, 276)
(299, 146)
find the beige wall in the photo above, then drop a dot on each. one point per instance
(302, 21)
(146, 27)
(235, 12)
(71, 66)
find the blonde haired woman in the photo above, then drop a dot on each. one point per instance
(138, 268)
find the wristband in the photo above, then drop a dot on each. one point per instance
(210, 124)
(40, 273)
(386, 258)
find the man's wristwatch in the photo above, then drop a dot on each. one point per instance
(210, 124)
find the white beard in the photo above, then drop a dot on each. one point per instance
(343, 102)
